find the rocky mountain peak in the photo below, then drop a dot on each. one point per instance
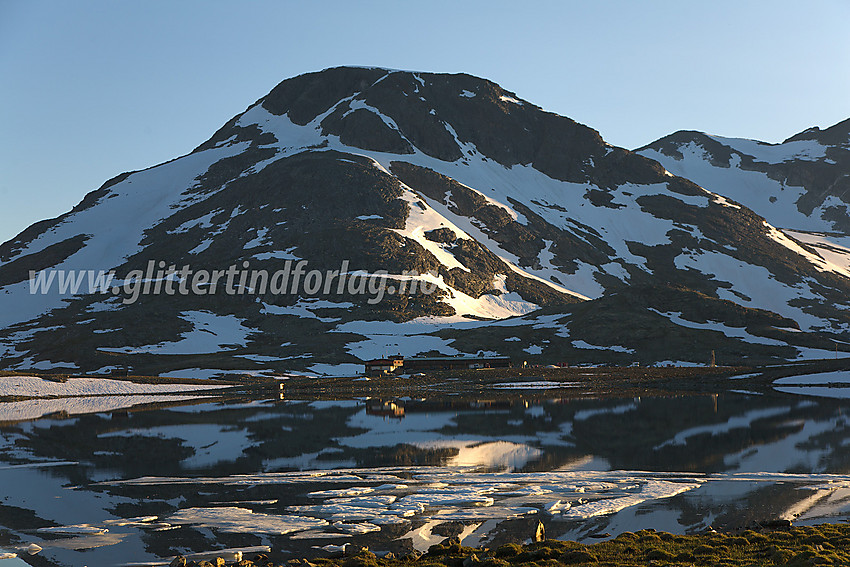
(536, 237)
(836, 135)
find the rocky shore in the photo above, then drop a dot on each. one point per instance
(777, 544)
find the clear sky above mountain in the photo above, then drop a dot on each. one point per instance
(94, 88)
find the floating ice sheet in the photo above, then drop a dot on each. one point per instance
(652, 490)
(73, 530)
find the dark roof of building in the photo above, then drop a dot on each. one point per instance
(457, 358)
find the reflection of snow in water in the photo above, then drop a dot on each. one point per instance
(79, 529)
(575, 501)
(616, 410)
(382, 432)
(497, 454)
(33, 409)
(211, 443)
(828, 500)
(786, 450)
(317, 460)
(734, 422)
(53, 502)
(421, 430)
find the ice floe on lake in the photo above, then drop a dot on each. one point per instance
(243, 520)
(443, 494)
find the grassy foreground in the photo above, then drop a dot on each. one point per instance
(827, 544)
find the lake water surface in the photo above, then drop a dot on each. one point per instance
(147, 483)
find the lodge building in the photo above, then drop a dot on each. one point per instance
(401, 365)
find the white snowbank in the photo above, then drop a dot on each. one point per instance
(31, 386)
(838, 377)
(497, 454)
(819, 391)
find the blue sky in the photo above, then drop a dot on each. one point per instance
(93, 88)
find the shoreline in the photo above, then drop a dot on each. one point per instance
(571, 381)
(774, 543)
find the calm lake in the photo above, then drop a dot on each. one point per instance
(195, 475)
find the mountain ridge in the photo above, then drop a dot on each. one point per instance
(524, 220)
(813, 164)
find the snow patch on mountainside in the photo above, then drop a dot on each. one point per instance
(506, 98)
(488, 306)
(736, 332)
(422, 219)
(305, 307)
(819, 260)
(211, 333)
(833, 248)
(115, 227)
(357, 104)
(385, 338)
(753, 286)
(772, 199)
(808, 150)
(277, 255)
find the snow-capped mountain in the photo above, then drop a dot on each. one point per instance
(538, 237)
(802, 184)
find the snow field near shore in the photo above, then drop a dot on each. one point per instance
(35, 387)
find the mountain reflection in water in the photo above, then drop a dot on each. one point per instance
(145, 483)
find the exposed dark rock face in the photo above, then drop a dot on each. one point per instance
(306, 96)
